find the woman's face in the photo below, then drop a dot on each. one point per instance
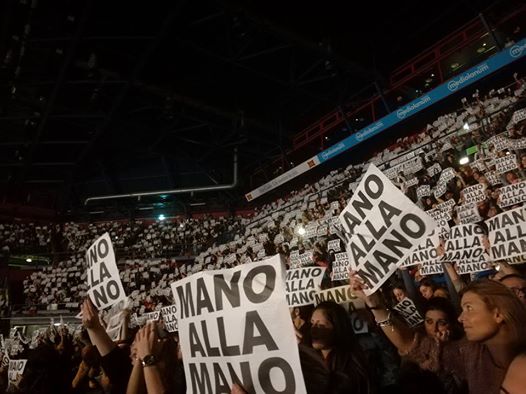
(426, 291)
(399, 294)
(321, 330)
(480, 323)
(436, 322)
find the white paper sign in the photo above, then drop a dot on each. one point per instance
(152, 316)
(302, 284)
(340, 267)
(381, 227)
(512, 194)
(408, 310)
(468, 213)
(505, 163)
(507, 234)
(474, 194)
(423, 191)
(334, 245)
(15, 370)
(104, 282)
(426, 252)
(465, 244)
(339, 295)
(169, 314)
(238, 320)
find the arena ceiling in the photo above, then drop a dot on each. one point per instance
(110, 97)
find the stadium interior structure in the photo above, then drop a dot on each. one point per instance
(154, 124)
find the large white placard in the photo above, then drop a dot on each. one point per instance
(235, 326)
(381, 227)
(104, 283)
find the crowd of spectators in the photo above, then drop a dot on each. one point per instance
(299, 224)
(471, 338)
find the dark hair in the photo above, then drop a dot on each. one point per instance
(444, 305)
(347, 355)
(427, 282)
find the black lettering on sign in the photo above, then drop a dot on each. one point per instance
(232, 293)
(101, 293)
(264, 376)
(200, 379)
(253, 321)
(270, 282)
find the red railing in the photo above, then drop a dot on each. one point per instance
(430, 60)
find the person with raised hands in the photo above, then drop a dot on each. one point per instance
(417, 346)
(156, 368)
(113, 358)
(493, 319)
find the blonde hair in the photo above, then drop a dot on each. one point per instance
(497, 296)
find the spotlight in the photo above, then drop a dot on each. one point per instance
(161, 217)
(466, 126)
(301, 230)
(28, 260)
(463, 160)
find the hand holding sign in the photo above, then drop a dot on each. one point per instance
(359, 288)
(146, 341)
(90, 316)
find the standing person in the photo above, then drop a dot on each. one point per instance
(333, 336)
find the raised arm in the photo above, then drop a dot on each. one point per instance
(99, 338)
(148, 351)
(396, 330)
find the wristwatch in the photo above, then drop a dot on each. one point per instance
(148, 360)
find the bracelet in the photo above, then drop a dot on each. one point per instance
(385, 323)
